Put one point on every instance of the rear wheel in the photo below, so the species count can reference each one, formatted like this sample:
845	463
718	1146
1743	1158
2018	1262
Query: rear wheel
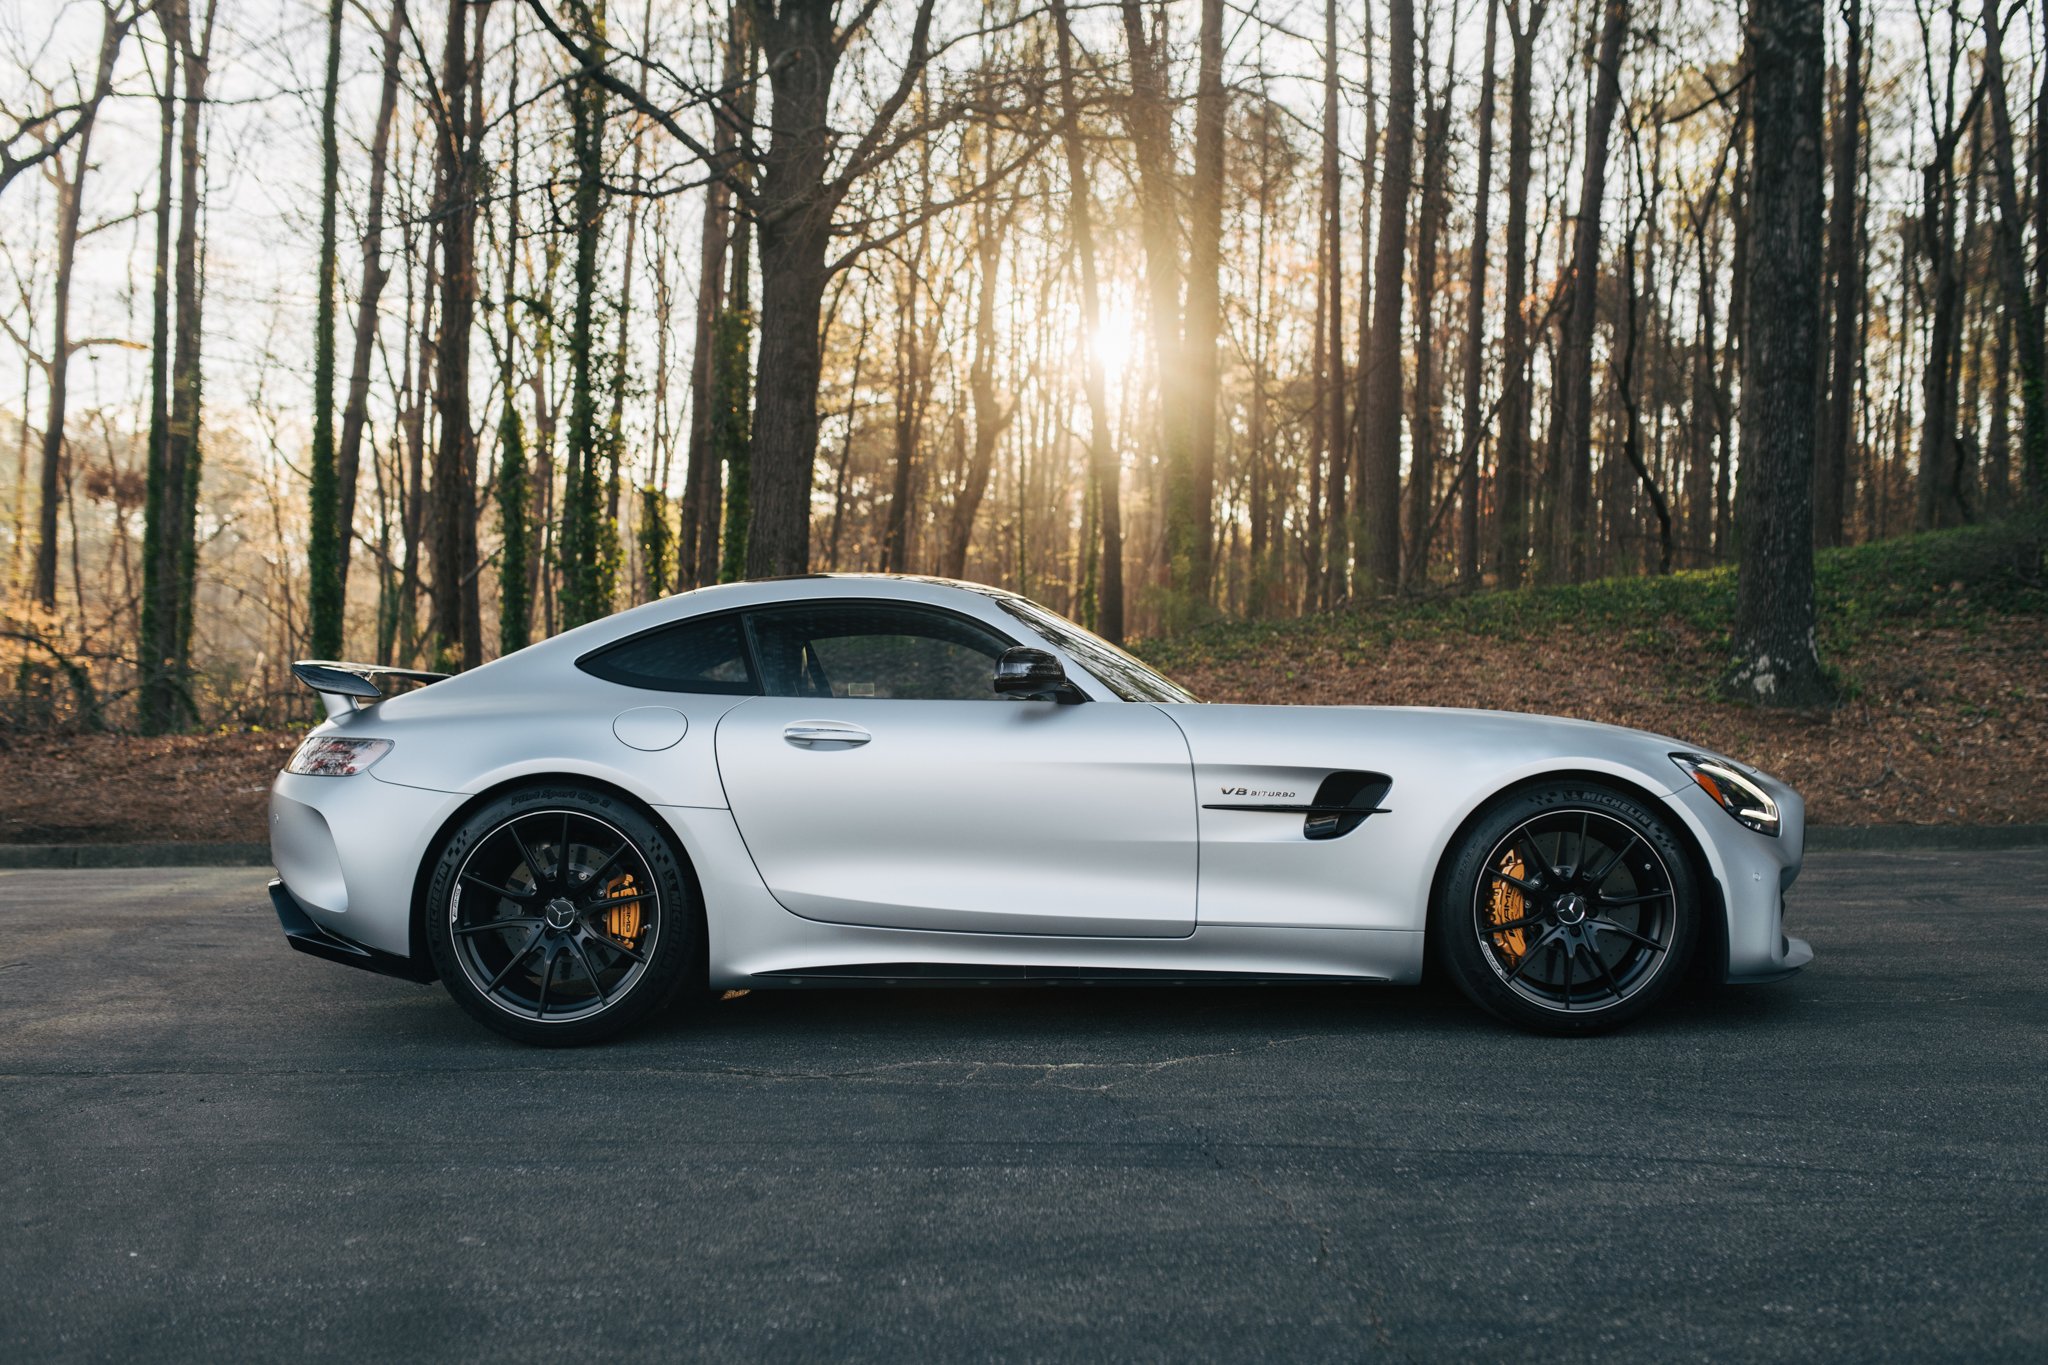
1568	908
560	915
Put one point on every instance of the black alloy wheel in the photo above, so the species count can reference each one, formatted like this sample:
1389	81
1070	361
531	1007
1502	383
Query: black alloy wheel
1569	909
560	916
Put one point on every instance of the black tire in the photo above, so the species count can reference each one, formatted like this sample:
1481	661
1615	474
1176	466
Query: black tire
1567	908
559	915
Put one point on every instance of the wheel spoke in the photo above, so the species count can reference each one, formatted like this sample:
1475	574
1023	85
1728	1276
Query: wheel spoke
496	890
1643	899
1611	927
590	971
612	944
547	974
1525	922
1570	951
1579	849
525	853
562	854
612	903
1596	878
1613	986
515	922
1534	855
603	867
1525	887
525	951
1530	956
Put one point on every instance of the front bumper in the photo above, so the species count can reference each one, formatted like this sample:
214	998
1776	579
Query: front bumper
1754	871
303	934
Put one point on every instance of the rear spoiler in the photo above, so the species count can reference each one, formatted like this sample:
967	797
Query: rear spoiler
344	687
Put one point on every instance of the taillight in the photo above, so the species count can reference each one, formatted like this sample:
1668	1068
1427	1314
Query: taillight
333	756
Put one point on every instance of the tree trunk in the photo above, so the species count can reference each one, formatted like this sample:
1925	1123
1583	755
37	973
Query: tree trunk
70	202
455	626
1104	471
991	417
701	491
1831	454
1205	299
156	703
1774	611
795	227
1332	410
1149	116
586	589
1378	514
2022	303
1422	426
323	549
1470	420
1511	532
355	410
1571	427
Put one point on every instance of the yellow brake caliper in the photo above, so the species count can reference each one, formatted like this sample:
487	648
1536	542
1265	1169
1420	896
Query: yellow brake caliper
623	922
1508	906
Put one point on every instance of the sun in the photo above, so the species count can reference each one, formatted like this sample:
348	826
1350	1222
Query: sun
1115	340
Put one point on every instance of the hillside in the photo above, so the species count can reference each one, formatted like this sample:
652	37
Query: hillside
1941	643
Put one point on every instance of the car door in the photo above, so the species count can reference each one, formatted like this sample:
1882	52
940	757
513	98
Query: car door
881	781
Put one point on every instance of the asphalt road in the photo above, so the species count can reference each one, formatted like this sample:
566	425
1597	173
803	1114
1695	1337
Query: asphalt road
217	1149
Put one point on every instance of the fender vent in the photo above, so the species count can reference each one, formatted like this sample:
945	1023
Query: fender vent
1343	802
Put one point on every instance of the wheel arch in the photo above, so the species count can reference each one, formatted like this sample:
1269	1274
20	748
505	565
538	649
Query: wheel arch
416	926
1710	957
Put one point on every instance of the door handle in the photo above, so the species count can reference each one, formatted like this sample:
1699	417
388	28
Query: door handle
805	733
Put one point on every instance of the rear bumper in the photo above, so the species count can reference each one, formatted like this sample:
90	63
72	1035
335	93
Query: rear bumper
303	934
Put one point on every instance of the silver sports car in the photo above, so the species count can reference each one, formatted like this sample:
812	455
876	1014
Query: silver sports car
846	781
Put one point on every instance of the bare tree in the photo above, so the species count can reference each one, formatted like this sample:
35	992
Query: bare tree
1774	612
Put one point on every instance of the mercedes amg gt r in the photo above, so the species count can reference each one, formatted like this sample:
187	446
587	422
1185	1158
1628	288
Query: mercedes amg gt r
861	780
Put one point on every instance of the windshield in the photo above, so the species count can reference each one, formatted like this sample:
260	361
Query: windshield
1121	673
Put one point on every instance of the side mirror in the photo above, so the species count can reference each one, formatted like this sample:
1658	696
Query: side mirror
1033	672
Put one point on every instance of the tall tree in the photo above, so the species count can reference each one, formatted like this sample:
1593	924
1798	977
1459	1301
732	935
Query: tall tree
356	406
1205	295
1571	425
1329	368
1774	612
1831	453
1511	533
156	700
1471	422
1422	425
2022	302
170	571
1104	472
323	541
456	621
1149	118
1378	517
586	586
703	499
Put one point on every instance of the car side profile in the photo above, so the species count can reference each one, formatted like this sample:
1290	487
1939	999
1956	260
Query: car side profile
875	780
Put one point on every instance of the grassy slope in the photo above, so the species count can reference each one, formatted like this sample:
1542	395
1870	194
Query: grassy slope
1940	642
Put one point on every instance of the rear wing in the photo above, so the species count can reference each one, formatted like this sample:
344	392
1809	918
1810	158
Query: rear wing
343	687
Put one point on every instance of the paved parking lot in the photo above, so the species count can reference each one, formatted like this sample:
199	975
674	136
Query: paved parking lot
218	1149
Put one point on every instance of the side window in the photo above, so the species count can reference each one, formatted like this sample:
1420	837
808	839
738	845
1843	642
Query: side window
859	649
706	655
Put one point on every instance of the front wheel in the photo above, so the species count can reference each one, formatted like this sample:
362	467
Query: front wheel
1568	908
559	915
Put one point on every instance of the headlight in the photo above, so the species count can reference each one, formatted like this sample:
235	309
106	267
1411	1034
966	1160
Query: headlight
332	756
1733	790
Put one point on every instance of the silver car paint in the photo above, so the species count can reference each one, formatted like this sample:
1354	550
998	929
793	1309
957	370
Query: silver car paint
1085	855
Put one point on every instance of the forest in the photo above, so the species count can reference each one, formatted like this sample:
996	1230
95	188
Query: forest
412	331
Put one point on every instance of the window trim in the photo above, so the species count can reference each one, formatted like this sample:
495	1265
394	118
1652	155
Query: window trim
761	675
753	686
758	677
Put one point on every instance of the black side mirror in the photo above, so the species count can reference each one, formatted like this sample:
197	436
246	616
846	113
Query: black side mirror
1024	671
